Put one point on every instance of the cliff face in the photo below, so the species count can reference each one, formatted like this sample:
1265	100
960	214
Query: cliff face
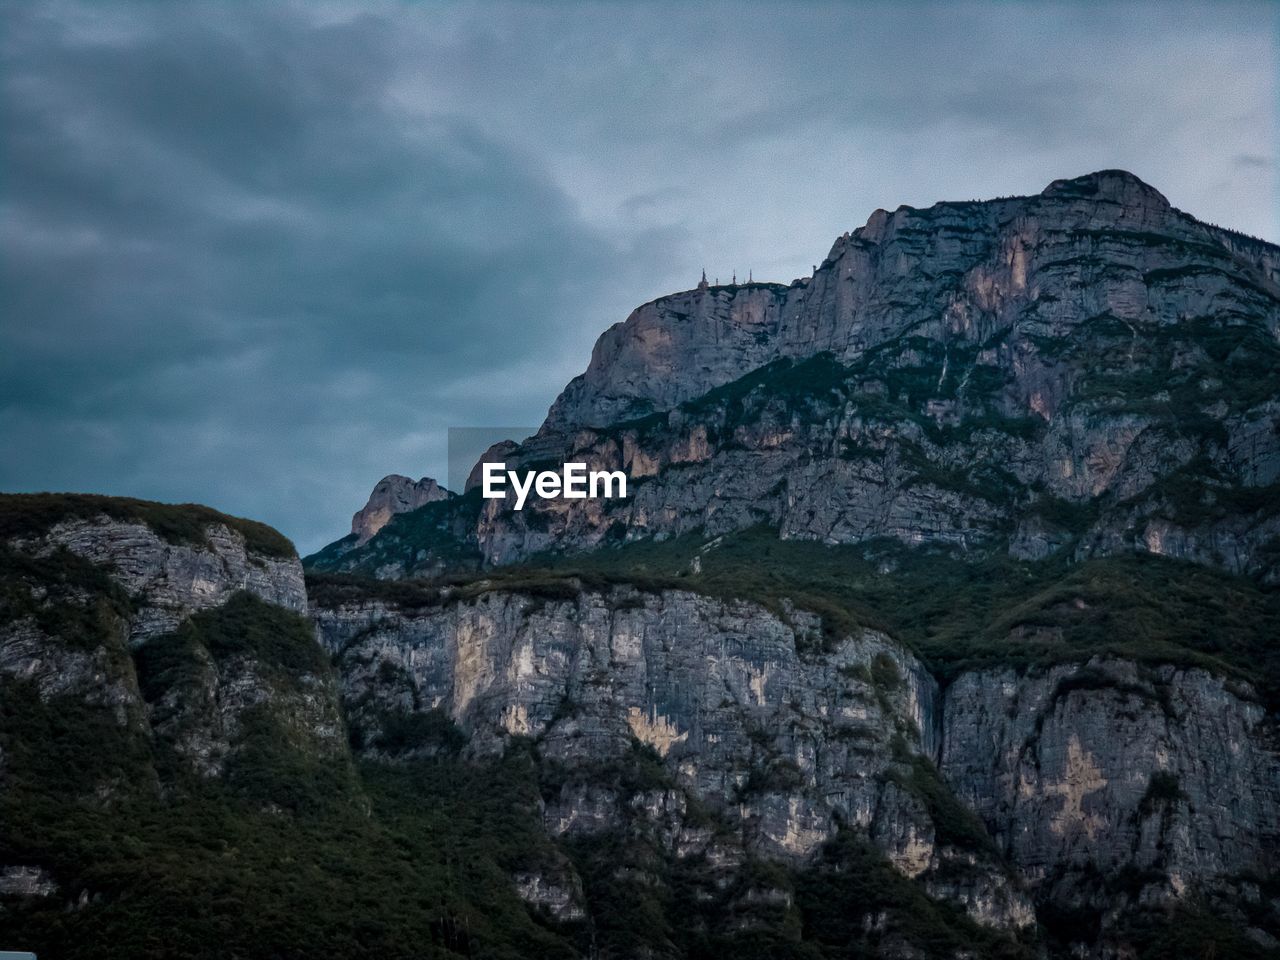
1086	371
171	581
1104	245
86	588
617	764
1114	787
939	622
1105	791
1005	404
147	654
777	735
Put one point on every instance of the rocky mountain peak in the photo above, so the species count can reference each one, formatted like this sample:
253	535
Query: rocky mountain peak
1104	244
1082	372
1119	186
394	494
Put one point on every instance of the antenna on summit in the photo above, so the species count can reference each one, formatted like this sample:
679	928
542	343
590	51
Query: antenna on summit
702	284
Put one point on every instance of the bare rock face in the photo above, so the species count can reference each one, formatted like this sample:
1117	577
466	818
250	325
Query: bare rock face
107	618
1084	372
393	494
1092	772
175	580
671	350
1106	244
786	746
1080	374
1104	790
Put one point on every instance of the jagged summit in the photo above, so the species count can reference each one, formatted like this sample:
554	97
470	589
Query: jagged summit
1082	372
956	269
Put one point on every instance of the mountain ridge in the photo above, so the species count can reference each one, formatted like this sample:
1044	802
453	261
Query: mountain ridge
1122	197
1085	370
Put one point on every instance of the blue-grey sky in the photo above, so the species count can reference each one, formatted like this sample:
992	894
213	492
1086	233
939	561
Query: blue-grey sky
260	255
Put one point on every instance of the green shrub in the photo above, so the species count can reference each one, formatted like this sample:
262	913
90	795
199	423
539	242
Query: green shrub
1163	791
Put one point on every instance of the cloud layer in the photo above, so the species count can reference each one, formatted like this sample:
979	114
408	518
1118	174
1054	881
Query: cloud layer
260	255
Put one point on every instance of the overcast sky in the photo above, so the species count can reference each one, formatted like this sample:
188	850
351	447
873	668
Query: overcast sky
260	255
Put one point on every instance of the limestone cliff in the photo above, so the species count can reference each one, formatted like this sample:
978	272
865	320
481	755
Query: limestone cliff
1108	792
1087	371
143	648
940	622
1022	455
1102	245
784	735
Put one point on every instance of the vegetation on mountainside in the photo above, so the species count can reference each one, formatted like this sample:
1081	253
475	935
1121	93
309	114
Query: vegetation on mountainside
296	853
927	405
955	612
639	895
438	529
65	595
288	854
290	857
25	515
279	641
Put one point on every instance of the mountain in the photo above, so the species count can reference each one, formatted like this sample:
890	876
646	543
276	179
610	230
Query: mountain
940	621
1087	372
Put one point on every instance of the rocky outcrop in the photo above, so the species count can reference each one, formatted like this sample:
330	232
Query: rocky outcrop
1055	379
785	745
149	631
1114	788
1087	371
1106	790
204	696
393	494
170	580
1106	244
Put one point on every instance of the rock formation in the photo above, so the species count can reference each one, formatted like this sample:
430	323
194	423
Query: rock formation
1087	371
393	494
1107	788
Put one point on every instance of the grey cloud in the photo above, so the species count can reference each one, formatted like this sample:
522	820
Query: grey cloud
1253	161
261	255
225	247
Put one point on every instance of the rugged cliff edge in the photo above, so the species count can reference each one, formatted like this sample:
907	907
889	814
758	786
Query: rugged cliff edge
1087	371
989	413
1105	245
393	494
175	773
1123	779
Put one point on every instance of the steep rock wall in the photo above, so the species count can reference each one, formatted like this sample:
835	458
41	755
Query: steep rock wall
787	746
1113	786
169	580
